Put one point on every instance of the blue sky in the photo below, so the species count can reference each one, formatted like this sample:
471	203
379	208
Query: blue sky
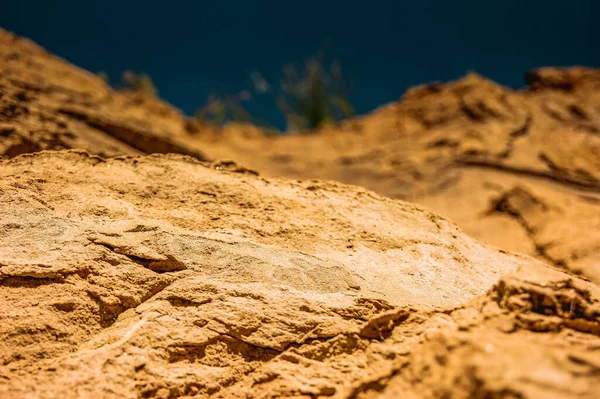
194	48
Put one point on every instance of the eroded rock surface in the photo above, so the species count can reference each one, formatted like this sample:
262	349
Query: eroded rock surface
49	104
165	277
517	169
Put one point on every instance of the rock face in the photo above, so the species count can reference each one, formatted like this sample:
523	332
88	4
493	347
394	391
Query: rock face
164	277
520	170
517	169
125	275
48	104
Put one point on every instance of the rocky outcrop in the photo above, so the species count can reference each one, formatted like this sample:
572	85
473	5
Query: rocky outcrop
517	169
48	104
164	277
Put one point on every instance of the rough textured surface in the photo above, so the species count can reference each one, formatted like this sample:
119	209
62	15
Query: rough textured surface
520	170
48	104
165	277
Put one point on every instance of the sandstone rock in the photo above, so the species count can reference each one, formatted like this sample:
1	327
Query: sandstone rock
517	169
163	277
48	104
520	170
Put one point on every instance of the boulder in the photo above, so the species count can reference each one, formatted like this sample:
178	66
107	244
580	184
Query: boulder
163	276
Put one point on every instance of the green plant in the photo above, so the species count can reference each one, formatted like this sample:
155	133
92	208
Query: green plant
220	110
138	82
309	98
314	96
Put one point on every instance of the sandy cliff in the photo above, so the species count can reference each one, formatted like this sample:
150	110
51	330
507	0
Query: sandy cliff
138	261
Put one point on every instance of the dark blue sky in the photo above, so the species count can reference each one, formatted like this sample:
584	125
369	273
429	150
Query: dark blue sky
192	48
